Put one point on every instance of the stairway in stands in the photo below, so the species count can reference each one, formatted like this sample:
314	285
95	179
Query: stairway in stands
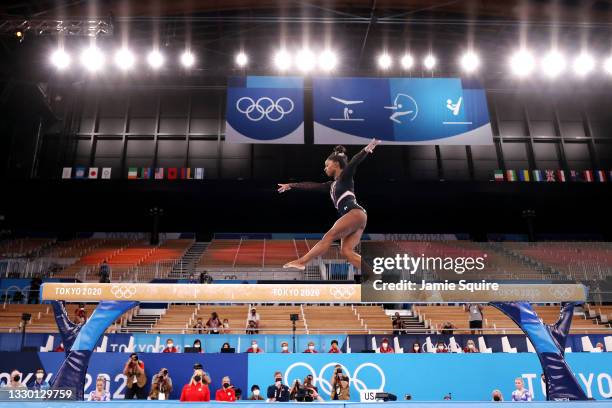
141	323
189	261
411	324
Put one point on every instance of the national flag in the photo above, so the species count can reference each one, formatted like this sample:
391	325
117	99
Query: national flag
145	173
601	176
576	175
79	172
561	176
537	175
133	173
172	173
190	173
550	175
199	173
93	172
498	174
524	175
588	176
183	173
106	173
159	173
67	172
511	175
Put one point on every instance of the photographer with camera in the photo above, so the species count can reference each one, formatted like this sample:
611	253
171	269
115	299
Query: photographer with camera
340	385
136	378
161	386
226	393
278	392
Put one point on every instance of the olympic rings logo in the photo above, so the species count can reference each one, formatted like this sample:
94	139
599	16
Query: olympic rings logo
342	291
264	107
324	384
123	292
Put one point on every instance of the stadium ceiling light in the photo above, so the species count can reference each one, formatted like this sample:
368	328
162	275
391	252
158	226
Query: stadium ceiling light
553	64
608	65
407	61
470	62
60	59
124	59
241	59
328	60
92	59
429	62
155	59
384	61
187	59
282	60
305	60
583	64
522	63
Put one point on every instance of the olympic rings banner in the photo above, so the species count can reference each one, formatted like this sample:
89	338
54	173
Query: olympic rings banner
263	109
449	111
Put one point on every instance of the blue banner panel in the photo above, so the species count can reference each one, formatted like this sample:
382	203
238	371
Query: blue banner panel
264	109
400	111
430	377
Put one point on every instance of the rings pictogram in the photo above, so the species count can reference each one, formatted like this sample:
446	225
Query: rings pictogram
342	291
264	107
122	291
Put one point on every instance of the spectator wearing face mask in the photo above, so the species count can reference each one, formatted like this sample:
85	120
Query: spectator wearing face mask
520	394
170	348
497	396
214	323
253	321
278	392
39	382
254	348
226	327
255	394
334	347
226	393
416	348
14	382
199	326
197	346
225	346
441	348
311	348
470	347
100	393
196	390
385	347
285	347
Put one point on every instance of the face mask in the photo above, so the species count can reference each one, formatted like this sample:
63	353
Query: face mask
471	346
225	324
416	347
198	346
440	347
39	376
254	346
16	378
197	378
496	398
170	345
385	345
310	347
255	392
278	380
226	385
285	348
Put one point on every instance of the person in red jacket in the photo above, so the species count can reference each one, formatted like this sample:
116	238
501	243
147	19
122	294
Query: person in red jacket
334	347
311	348
285	347
254	348
170	347
226	393
196	390
385	347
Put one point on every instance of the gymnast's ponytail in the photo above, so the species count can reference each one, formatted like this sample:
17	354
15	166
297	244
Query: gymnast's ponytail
339	156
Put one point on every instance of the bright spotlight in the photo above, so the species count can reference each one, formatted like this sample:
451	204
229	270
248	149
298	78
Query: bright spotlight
187	59
124	59
384	61
327	60
305	60
553	64
155	59
241	59
608	65
92	59
282	60
583	64
407	61
470	62
60	59
522	63
429	61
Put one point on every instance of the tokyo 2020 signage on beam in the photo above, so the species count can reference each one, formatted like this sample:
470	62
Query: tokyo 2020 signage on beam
450	111
263	109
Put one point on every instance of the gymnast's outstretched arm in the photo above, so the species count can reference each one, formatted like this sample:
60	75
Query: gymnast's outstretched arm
351	167
305	185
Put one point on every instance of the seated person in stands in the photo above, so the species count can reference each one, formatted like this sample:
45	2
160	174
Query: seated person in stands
100	393
226	393
599	347
196	390
80	315
225	346
255	394
470	347
285	347
214	323
416	348
39	382
251	327
161	386
238	393
334	347
226	326
311	348
397	323
253	320
278	392
60	348
197	345
254	348
448	328
14	382
170	348
385	347
441	348
521	393
199	326
497	396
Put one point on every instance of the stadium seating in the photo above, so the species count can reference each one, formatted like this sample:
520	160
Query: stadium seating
23	247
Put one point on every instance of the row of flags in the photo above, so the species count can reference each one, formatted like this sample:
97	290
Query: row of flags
136	173
562	176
